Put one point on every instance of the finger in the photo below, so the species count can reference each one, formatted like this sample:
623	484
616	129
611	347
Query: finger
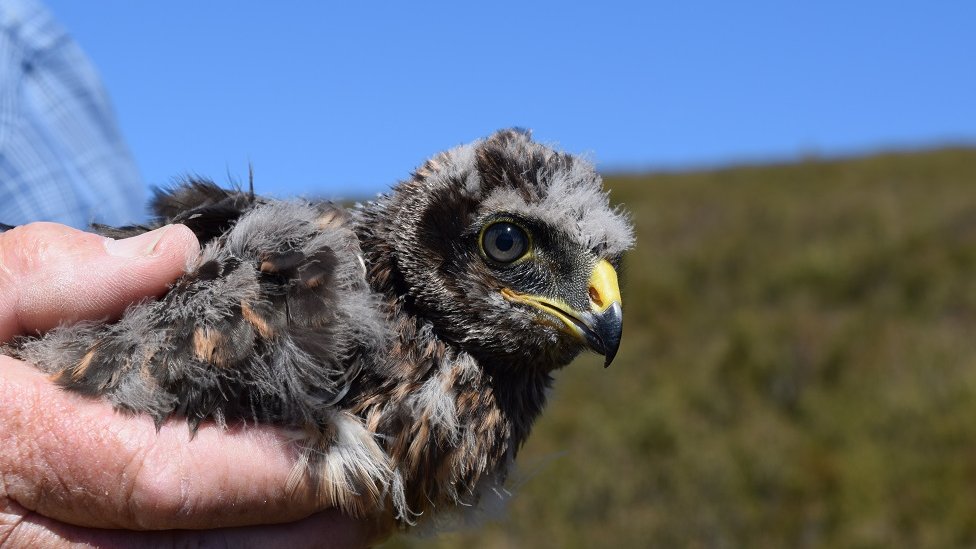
78	461
51	273
326	530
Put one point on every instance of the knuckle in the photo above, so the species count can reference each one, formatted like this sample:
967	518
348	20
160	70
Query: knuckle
28	249
158	493
23	469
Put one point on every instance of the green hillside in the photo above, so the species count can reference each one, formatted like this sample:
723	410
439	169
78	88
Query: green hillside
798	369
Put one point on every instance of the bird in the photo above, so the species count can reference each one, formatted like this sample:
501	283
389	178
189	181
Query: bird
409	341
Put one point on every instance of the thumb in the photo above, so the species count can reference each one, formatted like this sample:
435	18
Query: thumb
51	273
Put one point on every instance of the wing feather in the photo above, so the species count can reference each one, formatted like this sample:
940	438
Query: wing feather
267	326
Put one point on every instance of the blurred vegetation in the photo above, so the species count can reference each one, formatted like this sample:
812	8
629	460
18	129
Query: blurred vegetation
798	369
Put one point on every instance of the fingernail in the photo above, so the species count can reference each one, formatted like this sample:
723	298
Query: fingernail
136	246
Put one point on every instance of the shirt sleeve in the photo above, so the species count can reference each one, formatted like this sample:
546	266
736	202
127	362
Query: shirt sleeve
62	156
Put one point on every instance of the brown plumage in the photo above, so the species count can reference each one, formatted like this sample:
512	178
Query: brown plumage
410	341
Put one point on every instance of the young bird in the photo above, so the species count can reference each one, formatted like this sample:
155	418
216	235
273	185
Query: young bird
409	342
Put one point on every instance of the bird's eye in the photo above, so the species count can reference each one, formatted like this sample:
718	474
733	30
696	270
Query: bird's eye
504	242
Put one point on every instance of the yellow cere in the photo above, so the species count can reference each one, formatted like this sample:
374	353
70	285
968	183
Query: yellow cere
604	289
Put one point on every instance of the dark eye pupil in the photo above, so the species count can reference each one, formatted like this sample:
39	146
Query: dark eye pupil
505	241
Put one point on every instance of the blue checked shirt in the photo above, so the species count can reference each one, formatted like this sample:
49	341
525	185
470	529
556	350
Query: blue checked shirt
62	157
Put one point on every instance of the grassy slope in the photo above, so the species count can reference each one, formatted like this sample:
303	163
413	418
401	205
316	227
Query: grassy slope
798	369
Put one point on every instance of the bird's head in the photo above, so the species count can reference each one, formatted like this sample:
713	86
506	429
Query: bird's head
509	248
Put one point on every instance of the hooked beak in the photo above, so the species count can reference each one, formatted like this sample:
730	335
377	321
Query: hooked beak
601	326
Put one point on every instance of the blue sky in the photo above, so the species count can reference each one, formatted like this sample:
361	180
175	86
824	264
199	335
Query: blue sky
345	100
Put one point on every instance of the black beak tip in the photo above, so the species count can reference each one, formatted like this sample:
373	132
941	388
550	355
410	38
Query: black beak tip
607	331
611	352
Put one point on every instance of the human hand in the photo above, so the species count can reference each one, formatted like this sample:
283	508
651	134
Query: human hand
73	472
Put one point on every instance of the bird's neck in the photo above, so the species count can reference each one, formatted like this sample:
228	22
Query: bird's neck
451	421
451	426
517	389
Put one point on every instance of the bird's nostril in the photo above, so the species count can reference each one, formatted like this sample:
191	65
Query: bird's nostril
595	297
